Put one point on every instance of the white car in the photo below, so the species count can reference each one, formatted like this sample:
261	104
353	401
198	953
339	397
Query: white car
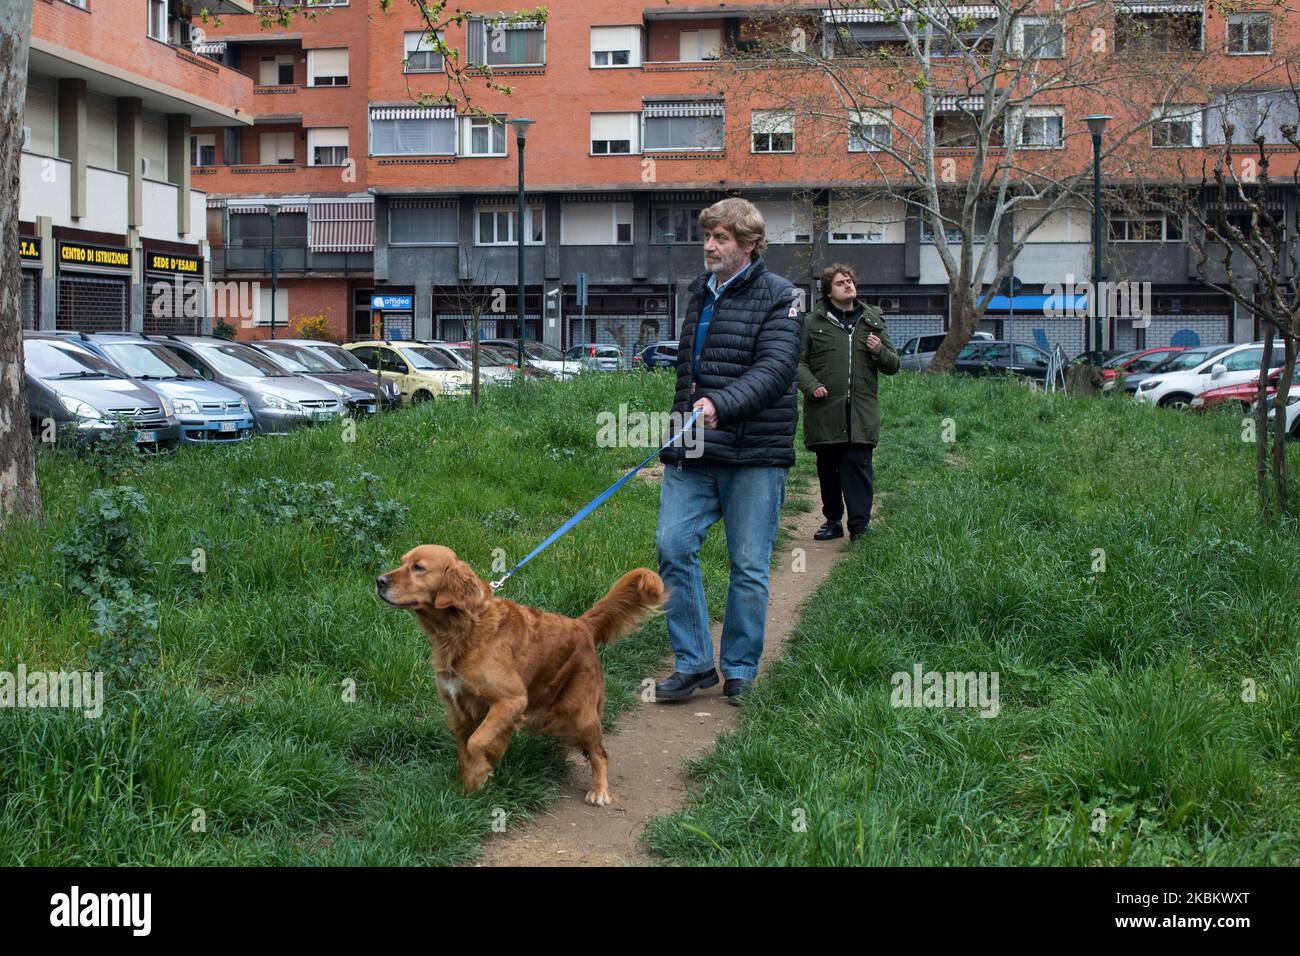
1292	412
1198	369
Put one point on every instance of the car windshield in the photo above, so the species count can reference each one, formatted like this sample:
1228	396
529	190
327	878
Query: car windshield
340	356
1147	362
1185	360
428	359
301	360
547	353
969	352
147	361
241	361
47	358
1119	360
495	356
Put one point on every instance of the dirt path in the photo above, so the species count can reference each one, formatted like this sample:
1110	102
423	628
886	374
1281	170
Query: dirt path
648	750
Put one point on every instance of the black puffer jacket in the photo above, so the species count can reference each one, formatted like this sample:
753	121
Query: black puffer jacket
747	369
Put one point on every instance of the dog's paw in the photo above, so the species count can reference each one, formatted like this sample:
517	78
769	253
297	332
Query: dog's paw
473	779
599	798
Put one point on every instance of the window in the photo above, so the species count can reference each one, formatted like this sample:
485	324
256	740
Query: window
614	134
276	149
684	126
327	67
327	147
1036	37
1145	227
787	220
423	223
870	130
961	131
682	221
949	40
695	46
615	46
483	137
1247	360
1042	128
595	223
1176	125
772	131
865	39
275	70
1163	32
413	131
1251	113
232	146
203	149
421	55
495	226
157	19
1250	33
857	219
496	43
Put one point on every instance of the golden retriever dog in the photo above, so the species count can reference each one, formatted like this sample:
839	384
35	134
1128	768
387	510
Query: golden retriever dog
502	665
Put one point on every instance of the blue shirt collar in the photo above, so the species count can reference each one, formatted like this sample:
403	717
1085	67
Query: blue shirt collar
713	280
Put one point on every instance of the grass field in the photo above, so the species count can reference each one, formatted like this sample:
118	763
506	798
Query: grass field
244	717
1122	736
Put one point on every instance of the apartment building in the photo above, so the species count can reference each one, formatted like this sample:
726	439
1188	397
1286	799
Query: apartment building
398	212
113	237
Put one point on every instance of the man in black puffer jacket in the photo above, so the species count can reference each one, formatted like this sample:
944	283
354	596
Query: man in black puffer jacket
737	362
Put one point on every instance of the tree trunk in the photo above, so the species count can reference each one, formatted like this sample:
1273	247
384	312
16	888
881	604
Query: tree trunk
1261	425
1281	492
964	320
19	495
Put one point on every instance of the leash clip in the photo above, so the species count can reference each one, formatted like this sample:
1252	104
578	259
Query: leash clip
497	584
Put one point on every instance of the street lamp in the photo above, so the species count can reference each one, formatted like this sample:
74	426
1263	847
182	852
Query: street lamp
521	133
668	237
1096	126
273	210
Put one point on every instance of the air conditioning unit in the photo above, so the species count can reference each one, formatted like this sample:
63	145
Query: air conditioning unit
655	305
27	137
890	305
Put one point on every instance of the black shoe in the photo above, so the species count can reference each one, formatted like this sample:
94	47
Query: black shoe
735	689
679	686
854	535
831	529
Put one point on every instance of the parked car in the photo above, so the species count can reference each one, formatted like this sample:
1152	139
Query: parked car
1217	366
1102	357
918	351
207	412
596	356
1135	362
496	357
281	401
1174	362
365	394
660	354
1244	394
1291	410
492	367
420	373
84	394
1002	358
539	355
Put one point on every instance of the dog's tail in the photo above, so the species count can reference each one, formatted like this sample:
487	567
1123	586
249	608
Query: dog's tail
637	595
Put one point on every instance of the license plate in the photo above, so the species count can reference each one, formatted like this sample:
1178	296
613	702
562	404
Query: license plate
146	438
321	416
227	426
369	409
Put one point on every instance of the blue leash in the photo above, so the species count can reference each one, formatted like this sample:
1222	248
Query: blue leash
595	503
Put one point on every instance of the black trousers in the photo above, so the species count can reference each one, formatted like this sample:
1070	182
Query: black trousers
844	472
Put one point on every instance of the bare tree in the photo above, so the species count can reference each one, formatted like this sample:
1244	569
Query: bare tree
19	494
959	118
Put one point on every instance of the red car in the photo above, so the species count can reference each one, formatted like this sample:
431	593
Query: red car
1143	360
1243	393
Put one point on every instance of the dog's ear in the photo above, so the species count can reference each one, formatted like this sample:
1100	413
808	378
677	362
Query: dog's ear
461	588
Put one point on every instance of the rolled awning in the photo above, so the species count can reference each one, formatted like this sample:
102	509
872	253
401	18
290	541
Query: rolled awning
659	110
285	207
341	226
413	112
952	103
1158	7
1040	304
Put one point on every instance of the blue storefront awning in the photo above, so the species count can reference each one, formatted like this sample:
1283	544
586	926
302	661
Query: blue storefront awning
1039	304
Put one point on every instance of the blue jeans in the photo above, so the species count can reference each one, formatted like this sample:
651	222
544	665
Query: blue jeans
748	500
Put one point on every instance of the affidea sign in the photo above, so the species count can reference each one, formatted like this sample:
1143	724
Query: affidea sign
392	303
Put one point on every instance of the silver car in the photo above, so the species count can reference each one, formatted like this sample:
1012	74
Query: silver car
280	400
919	350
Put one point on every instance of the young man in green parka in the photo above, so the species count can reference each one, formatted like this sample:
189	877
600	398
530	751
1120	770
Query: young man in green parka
845	348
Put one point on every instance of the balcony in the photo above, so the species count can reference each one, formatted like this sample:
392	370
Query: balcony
702	38
254	179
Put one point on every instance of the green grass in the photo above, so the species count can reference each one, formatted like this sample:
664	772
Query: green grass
239	748
1122	737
